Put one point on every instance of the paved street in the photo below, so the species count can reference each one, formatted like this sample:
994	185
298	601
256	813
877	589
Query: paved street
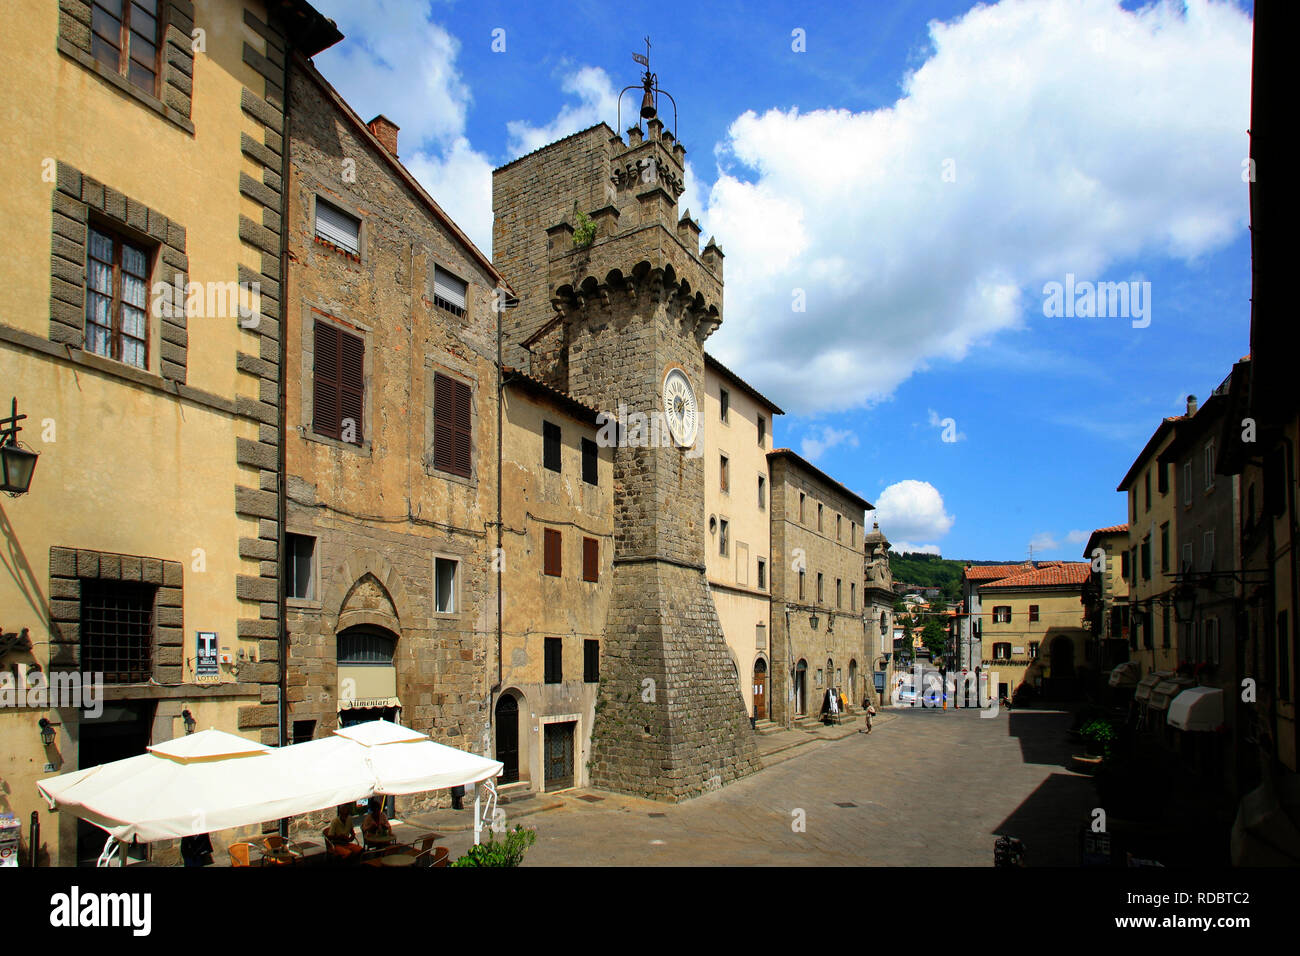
926	788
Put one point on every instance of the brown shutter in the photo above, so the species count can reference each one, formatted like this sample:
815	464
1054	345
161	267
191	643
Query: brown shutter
590	559
325	381
351	385
452	444
551	552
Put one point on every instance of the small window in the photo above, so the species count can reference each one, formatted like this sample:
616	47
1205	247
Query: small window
117	630
1033	613
338	228
723	526
820	589
1209	466
1033	650
1166	626
338	383
551	552
300	557
1188	558
839	593
362	645
839	526
1187	483
1002	651
801	509
1146	558
1123	565
1164	547
551	446
762	575
444	576
853	534
1002	614
1207	553
1162	478
762	429
724	404
117	298
303	731
554	662
819	517
450	293
853	596
452	426
762	492
802	575
590	462
590	661
1146	483
590	559
724	476
125	39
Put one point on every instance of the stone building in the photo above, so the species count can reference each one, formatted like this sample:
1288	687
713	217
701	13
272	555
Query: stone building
557	562
819	633
737	437
878	613
1106	597
142	343
616	302
391	438
1033	632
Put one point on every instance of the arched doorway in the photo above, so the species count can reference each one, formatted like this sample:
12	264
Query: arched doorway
853	680
507	727
830	673
801	688
367	677
760	689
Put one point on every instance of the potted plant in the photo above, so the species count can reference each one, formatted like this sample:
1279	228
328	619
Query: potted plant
508	851
1099	737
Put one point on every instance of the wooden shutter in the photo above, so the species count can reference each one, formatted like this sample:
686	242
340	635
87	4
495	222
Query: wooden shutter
352	352
551	552
452	417
590	559
325	381
590	459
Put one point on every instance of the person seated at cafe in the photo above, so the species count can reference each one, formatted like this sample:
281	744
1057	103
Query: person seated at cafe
339	835
375	826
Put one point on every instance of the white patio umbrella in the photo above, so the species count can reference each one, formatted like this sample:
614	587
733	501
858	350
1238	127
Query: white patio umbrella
202	783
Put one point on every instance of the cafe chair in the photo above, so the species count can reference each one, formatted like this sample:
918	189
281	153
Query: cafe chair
239	854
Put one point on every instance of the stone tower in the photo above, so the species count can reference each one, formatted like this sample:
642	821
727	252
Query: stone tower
607	317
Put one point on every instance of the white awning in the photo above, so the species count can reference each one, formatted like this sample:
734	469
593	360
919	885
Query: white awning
1126	674
1197	708
1146	685
1165	691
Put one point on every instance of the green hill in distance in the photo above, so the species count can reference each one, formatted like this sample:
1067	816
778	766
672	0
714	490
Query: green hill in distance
932	571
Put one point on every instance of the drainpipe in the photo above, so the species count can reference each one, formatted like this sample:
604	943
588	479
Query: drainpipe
281	504
499	303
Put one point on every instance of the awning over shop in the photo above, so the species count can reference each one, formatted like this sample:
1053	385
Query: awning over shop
1147	684
1165	691
1126	674
1197	708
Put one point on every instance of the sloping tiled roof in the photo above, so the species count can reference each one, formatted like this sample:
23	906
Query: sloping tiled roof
995	572
1065	574
578	409
808	466
744	386
1103	533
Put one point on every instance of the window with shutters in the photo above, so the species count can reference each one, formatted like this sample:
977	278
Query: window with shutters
452	418
724	404
1002	614
1033	612
551	553
590	559
450	293
554	661
1002	651
337	228
550	446
590	462
1164	547
590	661
338	384
724	473
117	297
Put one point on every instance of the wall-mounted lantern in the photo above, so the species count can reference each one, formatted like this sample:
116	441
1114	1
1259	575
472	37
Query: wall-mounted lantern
48	731
190	722
16	461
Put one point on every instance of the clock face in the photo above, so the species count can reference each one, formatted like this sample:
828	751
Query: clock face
680	408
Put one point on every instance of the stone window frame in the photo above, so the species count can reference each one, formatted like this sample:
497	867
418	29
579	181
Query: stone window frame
70	566
311	313
458	585
452	368
435	264
78	201
174	99
316	603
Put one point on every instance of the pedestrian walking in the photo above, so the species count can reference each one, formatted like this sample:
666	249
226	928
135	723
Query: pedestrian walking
871	713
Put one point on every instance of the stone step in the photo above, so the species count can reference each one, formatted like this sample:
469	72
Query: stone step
766	727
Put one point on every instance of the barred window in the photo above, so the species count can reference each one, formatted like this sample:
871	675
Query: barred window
117	630
365	646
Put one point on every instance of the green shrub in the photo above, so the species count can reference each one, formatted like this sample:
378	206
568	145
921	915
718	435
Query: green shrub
508	851
1101	737
584	233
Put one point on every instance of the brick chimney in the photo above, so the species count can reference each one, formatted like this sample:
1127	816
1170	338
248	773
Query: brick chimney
385	131
1191	405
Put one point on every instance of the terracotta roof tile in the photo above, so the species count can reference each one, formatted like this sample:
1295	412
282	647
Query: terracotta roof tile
995	572
1065	574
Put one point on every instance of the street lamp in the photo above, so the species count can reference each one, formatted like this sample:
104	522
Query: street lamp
16	462
48	733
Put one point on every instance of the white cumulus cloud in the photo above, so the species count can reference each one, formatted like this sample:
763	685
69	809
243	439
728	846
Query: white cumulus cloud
1075	135
813	445
912	510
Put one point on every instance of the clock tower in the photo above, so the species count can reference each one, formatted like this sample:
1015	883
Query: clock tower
617	302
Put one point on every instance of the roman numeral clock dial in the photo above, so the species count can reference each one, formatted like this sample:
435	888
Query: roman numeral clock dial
681	410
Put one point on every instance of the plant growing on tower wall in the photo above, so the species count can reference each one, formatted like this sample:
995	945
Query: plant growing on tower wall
584	232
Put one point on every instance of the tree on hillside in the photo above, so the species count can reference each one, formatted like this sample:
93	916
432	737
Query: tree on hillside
934	638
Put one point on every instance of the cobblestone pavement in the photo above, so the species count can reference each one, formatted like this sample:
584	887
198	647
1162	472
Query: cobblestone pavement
926	788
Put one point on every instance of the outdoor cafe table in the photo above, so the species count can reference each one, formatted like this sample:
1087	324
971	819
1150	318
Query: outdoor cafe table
397	859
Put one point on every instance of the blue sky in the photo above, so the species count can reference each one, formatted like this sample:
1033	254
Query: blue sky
914	175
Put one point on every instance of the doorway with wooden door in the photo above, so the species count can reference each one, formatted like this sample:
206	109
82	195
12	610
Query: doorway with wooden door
558	755
760	689
507	728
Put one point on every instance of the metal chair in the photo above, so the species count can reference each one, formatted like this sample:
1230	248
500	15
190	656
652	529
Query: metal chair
239	854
